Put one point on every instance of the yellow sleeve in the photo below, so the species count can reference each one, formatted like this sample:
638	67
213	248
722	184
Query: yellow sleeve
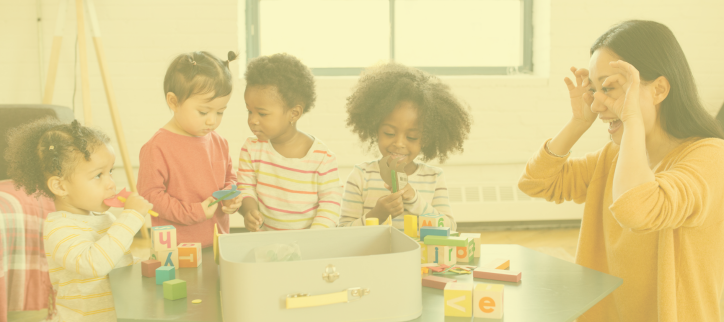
558	179
680	196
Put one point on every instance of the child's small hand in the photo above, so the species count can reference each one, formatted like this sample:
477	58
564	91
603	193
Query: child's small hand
390	205
230	206
408	193
253	220
209	211
137	203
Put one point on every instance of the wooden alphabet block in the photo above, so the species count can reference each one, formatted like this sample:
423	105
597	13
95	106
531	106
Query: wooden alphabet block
189	255
497	274
437	231
476	238
148	267
446	240
465	253
441	255
459	299
423	252
165	273
411	226
488	301
167	257
163	238
174	289
436	281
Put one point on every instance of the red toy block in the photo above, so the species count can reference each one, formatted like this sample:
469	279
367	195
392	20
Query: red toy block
436	282
148	267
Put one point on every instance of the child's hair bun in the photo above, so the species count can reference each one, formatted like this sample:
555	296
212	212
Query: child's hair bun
232	56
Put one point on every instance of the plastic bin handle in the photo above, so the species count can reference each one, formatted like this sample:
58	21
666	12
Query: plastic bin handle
295	301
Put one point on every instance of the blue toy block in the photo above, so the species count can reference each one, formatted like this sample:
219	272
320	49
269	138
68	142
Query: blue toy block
436	231
165	273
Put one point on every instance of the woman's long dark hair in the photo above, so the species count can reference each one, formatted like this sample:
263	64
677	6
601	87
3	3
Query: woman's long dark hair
652	48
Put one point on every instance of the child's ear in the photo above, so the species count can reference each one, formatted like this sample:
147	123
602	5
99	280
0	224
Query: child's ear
172	101
57	186
296	112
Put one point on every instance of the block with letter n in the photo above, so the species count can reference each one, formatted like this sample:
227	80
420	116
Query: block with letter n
163	238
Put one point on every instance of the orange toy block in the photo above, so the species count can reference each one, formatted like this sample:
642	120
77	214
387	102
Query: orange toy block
189	255
498	263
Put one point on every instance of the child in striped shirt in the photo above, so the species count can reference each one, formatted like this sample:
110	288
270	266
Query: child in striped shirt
72	164
405	112
289	178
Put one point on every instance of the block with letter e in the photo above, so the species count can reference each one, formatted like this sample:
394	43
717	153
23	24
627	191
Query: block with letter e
163	238
189	254
488	301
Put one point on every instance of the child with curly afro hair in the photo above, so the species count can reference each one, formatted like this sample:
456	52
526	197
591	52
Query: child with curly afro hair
72	164
406	113
289	178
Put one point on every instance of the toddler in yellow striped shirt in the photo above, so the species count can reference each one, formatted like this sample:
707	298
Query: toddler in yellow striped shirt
83	242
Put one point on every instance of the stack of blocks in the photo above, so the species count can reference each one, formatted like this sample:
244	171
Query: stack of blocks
437	246
480	301
163	245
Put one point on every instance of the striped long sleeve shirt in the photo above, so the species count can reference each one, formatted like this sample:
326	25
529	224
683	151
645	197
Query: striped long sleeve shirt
365	186
291	193
81	251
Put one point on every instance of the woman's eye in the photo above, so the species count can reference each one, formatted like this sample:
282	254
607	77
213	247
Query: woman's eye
592	90
99	175
412	139
606	89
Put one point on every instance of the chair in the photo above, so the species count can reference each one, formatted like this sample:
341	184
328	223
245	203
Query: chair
24	279
720	116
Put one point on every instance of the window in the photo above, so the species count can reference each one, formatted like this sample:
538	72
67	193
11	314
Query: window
443	37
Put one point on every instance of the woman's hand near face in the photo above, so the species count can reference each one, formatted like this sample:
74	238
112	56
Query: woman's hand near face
581	97
626	106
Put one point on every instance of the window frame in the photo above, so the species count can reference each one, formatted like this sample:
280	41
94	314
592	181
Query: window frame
253	48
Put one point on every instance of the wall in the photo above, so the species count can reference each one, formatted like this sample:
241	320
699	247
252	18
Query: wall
513	114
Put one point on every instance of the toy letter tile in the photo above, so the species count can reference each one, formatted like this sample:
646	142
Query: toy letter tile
497	274
459	299
166	257
498	263
163	238
165	273
449	258
436	281
189	255
488	301
411	226
174	289
148	267
437	231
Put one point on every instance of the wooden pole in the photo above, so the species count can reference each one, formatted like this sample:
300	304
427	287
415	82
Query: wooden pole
55	53
111	96
83	54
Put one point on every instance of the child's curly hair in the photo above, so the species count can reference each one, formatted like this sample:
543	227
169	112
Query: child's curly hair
445	121
292	79
47	147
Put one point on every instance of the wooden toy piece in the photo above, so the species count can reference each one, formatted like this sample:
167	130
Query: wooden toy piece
497	274
423	252
167	257
441	255
216	244
393	173
449	257
465	253
163	238
437	231
174	289
225	194
488	301
119	201
459	299
411	225
148	267
372	222
425	270
165	273
498	263
196	301
454	233
436	282
189	255
446	241
476	238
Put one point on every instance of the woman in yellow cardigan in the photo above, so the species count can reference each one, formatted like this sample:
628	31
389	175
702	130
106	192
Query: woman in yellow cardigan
654	196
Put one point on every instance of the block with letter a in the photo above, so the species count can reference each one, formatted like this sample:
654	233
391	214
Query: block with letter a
163	238
488	301
189	254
